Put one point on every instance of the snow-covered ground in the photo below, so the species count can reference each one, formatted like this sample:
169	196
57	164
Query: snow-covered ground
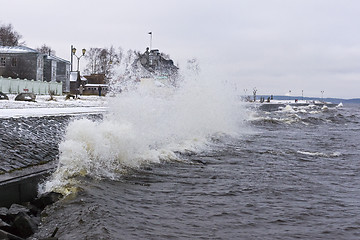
44	107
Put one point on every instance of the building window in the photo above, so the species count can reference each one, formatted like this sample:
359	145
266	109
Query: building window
13	62
2	62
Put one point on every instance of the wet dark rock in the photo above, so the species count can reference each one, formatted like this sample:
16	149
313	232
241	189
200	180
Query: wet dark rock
33	209
3	96
8	236
5	221
28	97
21	221
3	212
3	224
25	225
15	209
47	199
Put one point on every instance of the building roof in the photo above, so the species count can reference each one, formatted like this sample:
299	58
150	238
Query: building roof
74	77
51	57
23	49
17	49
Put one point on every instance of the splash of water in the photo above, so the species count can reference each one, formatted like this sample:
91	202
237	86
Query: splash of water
147	124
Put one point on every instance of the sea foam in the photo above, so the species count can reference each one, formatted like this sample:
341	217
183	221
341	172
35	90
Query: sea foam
147	125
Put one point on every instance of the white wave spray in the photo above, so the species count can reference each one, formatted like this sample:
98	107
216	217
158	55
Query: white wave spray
147	125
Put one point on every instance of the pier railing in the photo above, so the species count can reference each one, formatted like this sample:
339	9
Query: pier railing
16	86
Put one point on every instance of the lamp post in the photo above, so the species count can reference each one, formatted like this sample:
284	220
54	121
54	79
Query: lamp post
150	33
73	53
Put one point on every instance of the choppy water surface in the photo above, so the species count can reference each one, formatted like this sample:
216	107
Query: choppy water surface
293	175
195	164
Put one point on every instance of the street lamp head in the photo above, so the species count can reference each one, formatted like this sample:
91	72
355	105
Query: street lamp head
74	51
83	51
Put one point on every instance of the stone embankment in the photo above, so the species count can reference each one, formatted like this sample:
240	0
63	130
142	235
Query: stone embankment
21	221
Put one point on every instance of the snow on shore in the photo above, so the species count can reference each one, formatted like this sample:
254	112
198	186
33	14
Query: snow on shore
44	107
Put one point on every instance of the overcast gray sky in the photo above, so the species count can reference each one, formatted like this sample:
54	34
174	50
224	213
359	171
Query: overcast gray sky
276	46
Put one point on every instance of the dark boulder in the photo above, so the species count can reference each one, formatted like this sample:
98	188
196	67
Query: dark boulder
3	224
32	208
3	96
28	97
5	221
20	222
15	209
8	236
47	199
25	225
3	213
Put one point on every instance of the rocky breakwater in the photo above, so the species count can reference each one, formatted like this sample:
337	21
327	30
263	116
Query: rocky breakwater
21	221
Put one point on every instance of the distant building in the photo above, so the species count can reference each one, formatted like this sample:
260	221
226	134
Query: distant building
156	63
21	62
57	70
93	83
27	63
95	78
153	64
93	89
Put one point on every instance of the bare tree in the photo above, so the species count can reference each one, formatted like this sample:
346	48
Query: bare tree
46	50
9	37
103	60
92	60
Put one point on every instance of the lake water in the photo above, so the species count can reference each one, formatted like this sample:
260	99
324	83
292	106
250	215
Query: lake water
201	169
